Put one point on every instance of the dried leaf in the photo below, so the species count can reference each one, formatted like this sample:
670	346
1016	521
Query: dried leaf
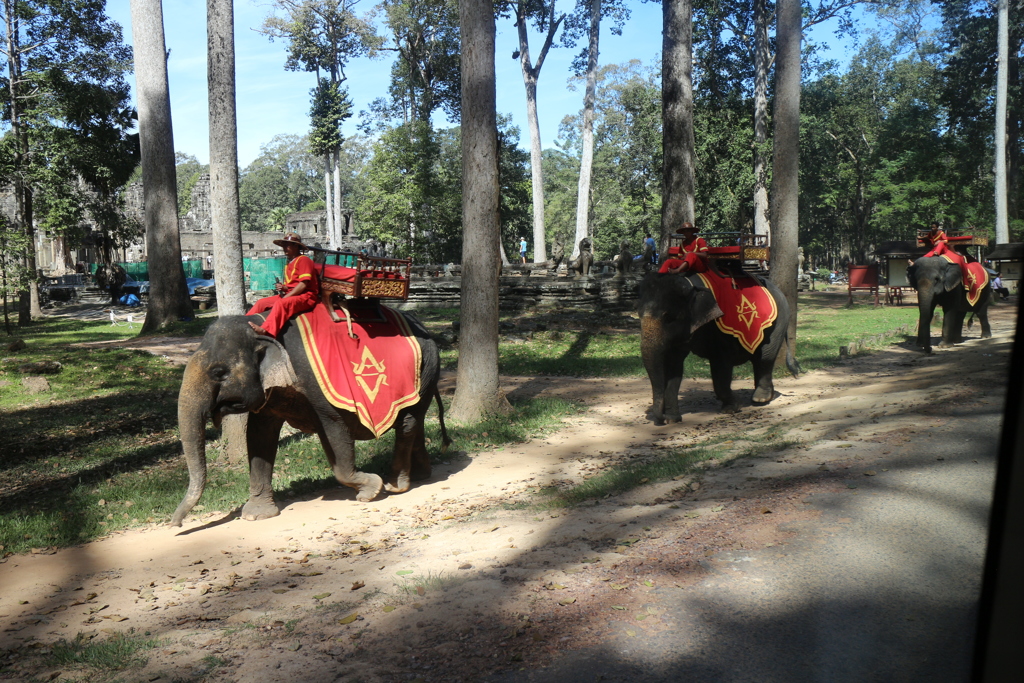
356	585
620	607
349	619
403	572
718	508
294	647
420	590
641	617
567	601
649	583
279	591
631	633
389	608
618	586
870	473
321	596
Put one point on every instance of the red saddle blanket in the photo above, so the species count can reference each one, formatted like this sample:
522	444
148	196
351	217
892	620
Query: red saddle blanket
748	308
977	277
373	376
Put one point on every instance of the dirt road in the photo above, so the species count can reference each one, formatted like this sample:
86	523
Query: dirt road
853	554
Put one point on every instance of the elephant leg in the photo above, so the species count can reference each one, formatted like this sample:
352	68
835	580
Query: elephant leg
339	447
952	324
674	365
721	379
926	310
408	430
986	329
764	387
261	435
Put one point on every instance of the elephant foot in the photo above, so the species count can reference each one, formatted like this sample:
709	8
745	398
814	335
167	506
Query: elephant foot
762	397
401	485
730	408
945	344
419	473
256	510
369	488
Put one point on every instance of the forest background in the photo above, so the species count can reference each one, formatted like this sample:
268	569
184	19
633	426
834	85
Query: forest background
900	135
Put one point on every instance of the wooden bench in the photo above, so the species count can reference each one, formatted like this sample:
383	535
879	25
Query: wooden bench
361	276
729	246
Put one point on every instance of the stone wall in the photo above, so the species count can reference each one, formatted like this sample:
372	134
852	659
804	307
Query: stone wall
593	293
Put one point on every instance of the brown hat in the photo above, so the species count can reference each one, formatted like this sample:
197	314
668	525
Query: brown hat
291	238
688	226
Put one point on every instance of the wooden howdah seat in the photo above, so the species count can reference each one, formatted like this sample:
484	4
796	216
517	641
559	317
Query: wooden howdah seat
955	238
361	276
728	246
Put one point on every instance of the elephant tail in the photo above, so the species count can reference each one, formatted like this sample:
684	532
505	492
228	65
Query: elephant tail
791	362
445	441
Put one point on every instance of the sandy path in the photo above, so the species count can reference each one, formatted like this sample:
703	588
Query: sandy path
450	584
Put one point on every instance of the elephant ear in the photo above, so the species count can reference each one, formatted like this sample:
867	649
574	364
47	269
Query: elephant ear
703	308
951	277
276	365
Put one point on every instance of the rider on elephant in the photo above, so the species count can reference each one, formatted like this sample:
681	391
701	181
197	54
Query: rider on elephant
939	243
694	252
299	293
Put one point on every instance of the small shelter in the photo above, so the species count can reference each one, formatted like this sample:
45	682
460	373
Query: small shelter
893	257
1008	259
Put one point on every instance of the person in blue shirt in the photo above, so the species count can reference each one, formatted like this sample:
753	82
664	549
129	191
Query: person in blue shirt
649	243
522	249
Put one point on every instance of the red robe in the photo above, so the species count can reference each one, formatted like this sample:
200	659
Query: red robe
282	309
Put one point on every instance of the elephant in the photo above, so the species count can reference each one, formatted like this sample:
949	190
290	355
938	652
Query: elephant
940	283
236	371
677	316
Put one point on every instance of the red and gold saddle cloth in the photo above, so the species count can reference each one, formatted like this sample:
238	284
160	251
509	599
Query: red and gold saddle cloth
974	274
748	307
373	376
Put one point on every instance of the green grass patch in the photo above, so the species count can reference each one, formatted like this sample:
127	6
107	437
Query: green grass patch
627	476
120	651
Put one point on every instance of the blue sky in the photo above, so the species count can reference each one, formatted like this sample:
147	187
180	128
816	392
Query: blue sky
271	100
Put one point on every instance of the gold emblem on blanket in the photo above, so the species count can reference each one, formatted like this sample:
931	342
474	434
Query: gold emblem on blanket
369	370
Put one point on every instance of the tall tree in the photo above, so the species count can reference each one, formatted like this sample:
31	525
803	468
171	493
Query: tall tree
545	19
677	114
323	36
786	157
168	294
478	391
1002	86
225	219
58	56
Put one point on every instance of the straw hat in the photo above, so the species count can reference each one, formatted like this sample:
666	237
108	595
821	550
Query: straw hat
688	226
291	238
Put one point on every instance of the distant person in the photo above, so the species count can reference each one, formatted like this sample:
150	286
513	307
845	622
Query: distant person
998	288
650	244
522	249
299	293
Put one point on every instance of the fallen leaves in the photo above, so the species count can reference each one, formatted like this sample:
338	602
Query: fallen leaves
356	585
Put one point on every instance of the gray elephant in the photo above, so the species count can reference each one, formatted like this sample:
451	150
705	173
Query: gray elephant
940	283
677	316
234	370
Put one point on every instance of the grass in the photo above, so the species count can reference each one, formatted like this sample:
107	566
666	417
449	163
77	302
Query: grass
100	452
675	463
120	651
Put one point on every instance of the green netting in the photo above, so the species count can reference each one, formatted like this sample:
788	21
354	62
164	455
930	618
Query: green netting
263	272
136	271
193	267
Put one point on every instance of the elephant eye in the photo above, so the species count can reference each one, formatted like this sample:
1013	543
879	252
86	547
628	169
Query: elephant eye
219	373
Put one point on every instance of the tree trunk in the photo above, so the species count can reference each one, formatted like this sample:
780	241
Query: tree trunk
225	222
328	194
478	391
762	64
786	157
338	220
587	160
1002	80
536	170
168	295
677	118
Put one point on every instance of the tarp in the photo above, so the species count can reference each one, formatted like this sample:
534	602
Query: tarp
262	272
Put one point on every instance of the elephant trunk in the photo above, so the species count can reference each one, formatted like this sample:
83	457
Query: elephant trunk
652	352
194	401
